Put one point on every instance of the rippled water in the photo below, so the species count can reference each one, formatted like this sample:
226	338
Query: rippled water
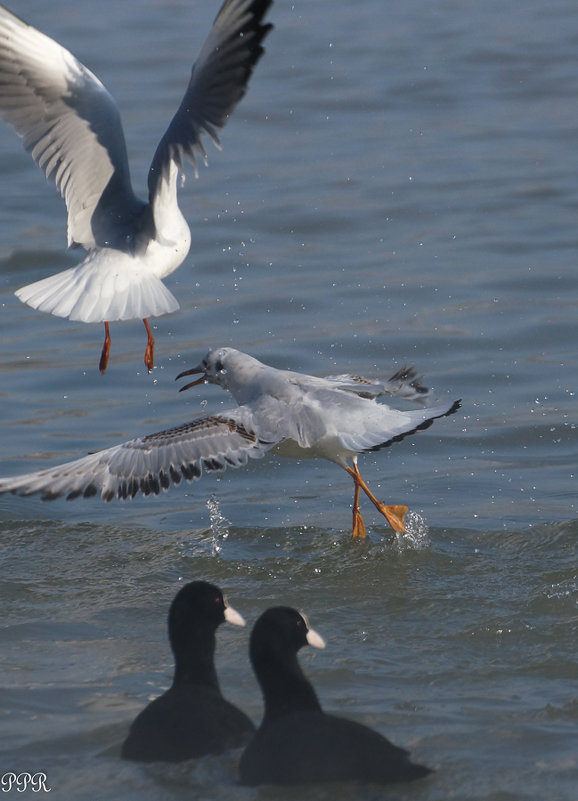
399	185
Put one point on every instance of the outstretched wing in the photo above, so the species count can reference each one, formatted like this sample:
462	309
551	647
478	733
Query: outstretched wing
152	463
218	82
70	124
404	384
382	426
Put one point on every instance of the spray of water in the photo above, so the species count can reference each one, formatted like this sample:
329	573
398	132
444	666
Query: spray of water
416	535
219	526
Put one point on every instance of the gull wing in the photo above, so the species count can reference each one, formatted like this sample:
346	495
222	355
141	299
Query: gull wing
406	383
381	426
152	463
218	82
69	123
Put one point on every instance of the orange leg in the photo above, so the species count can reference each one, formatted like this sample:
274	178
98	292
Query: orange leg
359	532
149	357
393	514
105	350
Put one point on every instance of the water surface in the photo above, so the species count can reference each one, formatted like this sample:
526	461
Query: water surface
398	186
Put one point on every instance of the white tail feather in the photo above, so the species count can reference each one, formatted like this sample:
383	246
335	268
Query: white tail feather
104	287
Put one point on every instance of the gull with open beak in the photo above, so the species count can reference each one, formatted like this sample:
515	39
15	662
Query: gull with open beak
292	414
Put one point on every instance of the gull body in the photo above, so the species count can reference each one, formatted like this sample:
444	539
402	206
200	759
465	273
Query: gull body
71	126
294	414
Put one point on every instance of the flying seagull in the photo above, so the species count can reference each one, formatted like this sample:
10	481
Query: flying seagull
292	414
71	126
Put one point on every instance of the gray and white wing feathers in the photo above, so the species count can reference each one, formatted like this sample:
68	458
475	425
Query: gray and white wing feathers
381	426
218	82
152	463
405	383
69	123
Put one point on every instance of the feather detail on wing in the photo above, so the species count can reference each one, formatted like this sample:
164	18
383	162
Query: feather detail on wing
382	426
406	383
218	82
152	463
70	124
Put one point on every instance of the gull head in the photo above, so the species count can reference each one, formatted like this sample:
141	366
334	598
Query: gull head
214	369
231	369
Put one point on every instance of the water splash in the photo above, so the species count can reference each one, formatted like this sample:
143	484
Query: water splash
416	534
219	525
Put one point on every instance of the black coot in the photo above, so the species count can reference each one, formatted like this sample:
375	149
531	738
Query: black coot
191	718
297	742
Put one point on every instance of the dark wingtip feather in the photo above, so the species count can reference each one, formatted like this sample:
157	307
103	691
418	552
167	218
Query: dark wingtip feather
420	427
456	405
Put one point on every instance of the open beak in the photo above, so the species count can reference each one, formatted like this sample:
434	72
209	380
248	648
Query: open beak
193	371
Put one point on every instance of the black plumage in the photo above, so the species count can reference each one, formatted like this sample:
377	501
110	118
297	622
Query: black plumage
297	742
192	718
